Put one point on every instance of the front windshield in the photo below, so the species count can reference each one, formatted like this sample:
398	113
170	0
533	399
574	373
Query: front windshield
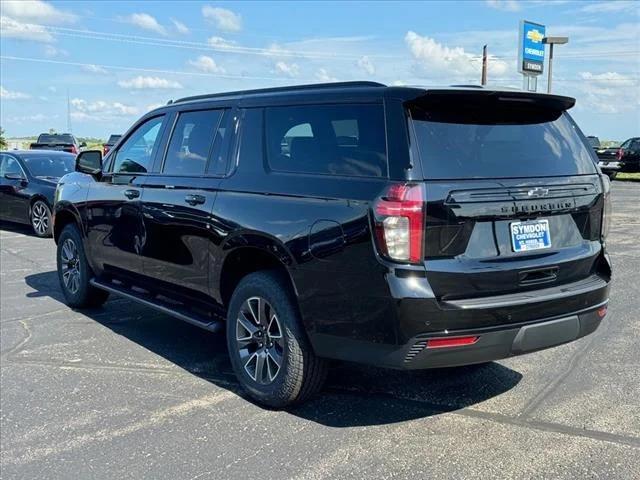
54	165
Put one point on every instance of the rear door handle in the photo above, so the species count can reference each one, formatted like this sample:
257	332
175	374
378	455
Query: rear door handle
131	194
195	199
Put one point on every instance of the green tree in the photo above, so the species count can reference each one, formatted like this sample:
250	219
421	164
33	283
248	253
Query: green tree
3	141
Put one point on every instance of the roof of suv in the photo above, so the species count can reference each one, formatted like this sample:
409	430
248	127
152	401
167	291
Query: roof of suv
368	88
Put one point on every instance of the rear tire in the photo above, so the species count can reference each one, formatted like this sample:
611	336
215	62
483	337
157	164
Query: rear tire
74	273
40	218
268	347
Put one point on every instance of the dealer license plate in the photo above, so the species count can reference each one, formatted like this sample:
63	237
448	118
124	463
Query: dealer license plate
531	235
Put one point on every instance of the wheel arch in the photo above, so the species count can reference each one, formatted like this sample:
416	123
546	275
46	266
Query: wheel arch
39	196
249	254
65	213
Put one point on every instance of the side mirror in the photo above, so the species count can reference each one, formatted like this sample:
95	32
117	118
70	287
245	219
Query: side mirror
83	144
90	162
14	176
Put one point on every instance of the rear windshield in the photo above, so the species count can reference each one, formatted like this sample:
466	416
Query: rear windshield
507	142
53	165
55	138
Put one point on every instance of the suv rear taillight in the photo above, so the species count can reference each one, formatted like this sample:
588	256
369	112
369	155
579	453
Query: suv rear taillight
606	208
620	154
399	223
74	150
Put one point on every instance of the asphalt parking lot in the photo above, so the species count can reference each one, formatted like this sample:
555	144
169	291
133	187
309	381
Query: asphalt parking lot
124	392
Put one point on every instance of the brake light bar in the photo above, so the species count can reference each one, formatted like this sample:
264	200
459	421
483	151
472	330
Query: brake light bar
446	342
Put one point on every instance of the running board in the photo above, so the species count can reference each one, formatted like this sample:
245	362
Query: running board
150	301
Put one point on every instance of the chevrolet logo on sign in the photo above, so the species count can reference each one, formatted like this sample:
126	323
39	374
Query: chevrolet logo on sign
535	36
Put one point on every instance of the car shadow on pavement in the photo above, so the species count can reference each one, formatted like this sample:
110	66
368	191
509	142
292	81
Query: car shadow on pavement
354	395
17	228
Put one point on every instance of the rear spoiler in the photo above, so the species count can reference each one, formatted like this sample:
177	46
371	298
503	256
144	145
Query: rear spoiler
466	96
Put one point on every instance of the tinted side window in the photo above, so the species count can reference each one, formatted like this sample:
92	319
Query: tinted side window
137	152
191	142
327	139
9	165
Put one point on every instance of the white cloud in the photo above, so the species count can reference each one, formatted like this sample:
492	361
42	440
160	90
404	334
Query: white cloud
608	78
36	11
366	65
435	58
611	7
146	22
286	69
99	109
180	27
11	28
52	88
206	64
507	5
221	43
38	117
140	82
609	92
51	51
12	94
153	106
94	69
323	76
223	19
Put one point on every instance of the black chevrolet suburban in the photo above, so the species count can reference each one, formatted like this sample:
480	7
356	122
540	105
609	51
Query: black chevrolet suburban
399	227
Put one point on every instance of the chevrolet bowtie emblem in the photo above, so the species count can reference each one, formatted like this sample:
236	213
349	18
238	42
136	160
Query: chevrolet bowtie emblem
535	36
538	192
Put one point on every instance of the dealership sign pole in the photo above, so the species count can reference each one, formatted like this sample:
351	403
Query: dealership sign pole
530	53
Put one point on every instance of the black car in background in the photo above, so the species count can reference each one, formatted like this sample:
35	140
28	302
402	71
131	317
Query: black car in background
113	139
629	155
27	186
608	160
64	142
400	227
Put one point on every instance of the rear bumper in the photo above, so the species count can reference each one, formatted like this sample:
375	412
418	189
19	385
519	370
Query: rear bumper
610	166
494	344
506	325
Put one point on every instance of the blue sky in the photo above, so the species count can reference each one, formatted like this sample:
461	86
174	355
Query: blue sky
117	60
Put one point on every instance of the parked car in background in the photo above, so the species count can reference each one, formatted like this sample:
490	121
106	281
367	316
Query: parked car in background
27	186
608	159
353	221
113	139
629	155
65	142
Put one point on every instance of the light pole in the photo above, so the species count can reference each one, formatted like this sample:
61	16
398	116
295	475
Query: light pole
551	41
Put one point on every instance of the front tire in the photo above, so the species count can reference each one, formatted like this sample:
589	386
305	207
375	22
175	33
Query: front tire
269	350
74	273
40	217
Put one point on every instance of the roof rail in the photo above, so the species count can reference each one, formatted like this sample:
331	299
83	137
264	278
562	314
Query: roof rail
294	88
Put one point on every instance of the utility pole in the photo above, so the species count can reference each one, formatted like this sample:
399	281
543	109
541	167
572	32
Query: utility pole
551	41
483	80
